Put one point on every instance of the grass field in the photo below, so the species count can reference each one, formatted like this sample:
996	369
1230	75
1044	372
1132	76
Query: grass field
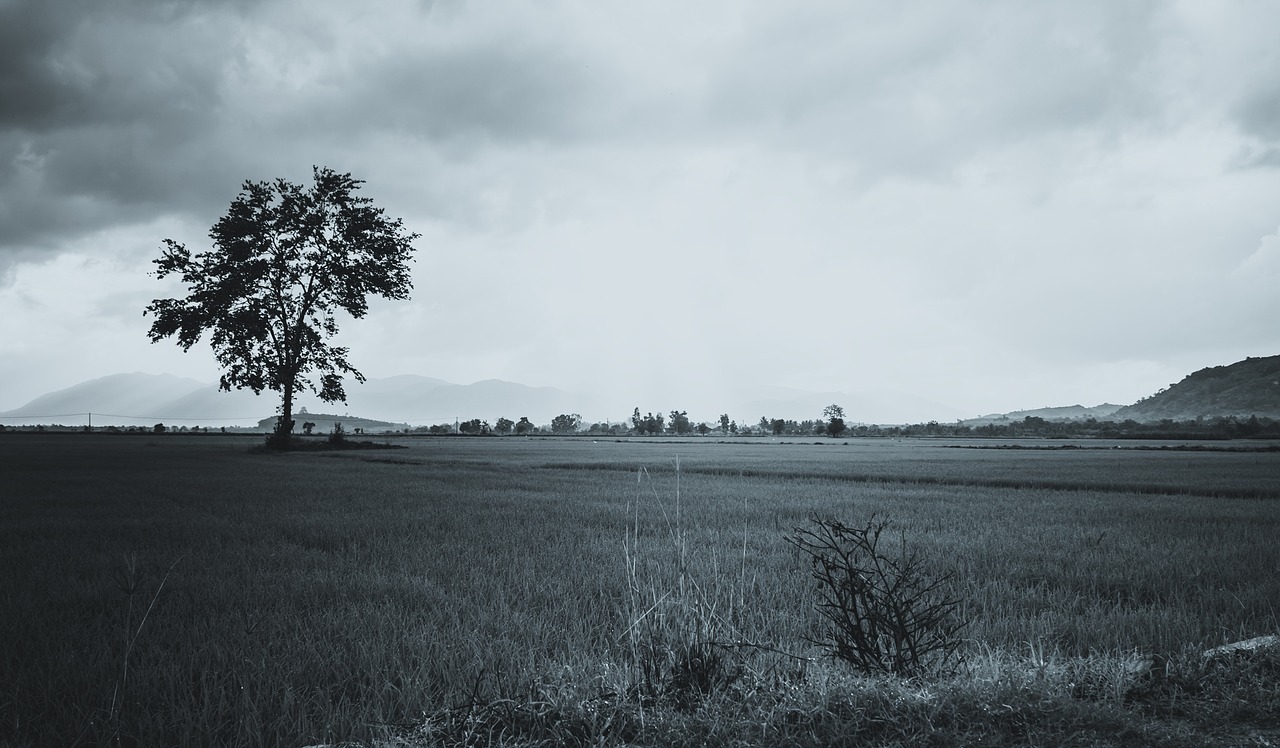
178	590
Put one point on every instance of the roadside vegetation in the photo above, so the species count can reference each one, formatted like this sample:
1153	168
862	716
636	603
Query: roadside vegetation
166	591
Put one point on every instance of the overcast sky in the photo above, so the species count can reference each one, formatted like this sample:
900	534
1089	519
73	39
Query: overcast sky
992	205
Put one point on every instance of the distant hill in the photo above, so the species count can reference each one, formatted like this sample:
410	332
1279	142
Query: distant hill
135	394
139	399
1065	413
1245	388
324	423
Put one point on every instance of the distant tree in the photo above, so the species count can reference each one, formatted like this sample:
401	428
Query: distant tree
733	427
778	426
159	428
637	422
307	426
703	429
285	261
835	420
525	426
504	426
474	426
680	422
765	425
565	423
724	423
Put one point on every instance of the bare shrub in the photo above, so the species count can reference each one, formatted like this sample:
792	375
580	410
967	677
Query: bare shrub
882	611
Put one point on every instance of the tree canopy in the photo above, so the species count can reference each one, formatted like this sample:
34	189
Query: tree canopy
566	423
285	261
835	420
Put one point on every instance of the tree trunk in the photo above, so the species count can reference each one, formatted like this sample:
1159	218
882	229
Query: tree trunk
284	427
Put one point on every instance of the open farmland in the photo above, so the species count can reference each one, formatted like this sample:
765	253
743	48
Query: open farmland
175	590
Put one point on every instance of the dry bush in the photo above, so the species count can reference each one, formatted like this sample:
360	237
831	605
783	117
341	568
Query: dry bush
883	613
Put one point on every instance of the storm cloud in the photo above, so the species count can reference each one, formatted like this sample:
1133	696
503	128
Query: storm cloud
1017	189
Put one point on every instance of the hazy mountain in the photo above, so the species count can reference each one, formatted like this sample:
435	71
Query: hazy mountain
1245	388
143	399
135	394
381	399
1249	387
1065	413
211	406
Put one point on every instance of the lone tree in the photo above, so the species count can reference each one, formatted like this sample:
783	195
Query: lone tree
285	260
835	419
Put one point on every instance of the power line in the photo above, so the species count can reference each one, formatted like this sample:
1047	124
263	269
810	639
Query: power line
137	418
184	418
401	419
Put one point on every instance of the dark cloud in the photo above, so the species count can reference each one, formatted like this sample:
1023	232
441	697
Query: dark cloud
31	94
117	111
506	89
82	62
105	103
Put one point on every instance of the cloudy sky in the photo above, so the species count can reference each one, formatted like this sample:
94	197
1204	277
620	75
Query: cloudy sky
992	205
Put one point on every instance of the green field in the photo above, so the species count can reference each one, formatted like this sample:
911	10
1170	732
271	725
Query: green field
180	590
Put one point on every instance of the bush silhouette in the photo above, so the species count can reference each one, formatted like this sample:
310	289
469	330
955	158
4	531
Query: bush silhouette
882	612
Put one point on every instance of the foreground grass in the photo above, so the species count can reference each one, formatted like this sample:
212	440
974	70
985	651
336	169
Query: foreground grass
328	597
995	699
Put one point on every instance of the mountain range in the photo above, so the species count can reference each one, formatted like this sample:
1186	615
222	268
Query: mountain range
1064	413
145	399
1242	389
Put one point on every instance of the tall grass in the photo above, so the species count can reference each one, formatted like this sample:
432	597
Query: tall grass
327	598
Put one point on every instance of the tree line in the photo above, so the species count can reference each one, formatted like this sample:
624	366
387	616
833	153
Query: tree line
677	423
1220	427
674	423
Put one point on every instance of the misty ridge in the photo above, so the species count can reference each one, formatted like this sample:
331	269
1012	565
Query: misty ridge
1236	393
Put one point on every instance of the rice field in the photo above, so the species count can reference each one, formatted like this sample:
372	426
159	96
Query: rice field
179	590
